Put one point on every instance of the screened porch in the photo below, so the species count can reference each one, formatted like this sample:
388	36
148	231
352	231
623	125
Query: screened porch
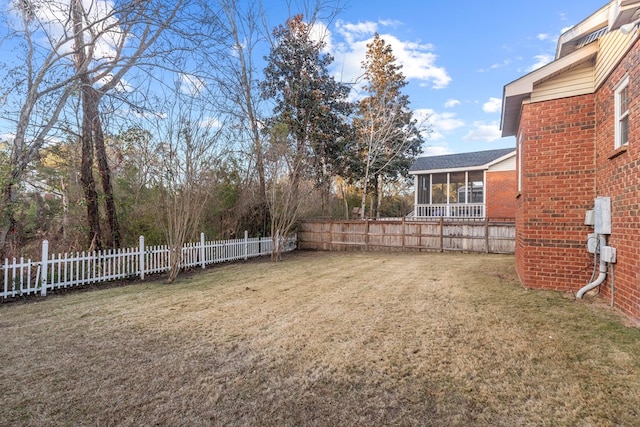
450	195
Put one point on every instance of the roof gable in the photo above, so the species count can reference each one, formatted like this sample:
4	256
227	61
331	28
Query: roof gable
576	47
474	160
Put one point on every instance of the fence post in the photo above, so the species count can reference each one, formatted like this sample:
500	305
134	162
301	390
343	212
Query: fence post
246	245
366	234
330	235
403	232
6	278
202	260
141	256
44	261
486	235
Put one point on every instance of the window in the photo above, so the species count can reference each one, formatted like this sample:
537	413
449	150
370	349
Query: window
622	113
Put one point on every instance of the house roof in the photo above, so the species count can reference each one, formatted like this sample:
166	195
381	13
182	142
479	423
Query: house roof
474	160
575	47
516	92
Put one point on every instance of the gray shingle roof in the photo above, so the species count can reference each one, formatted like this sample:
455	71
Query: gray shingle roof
461	160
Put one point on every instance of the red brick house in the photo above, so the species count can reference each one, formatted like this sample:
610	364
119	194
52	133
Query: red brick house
479	185
577	128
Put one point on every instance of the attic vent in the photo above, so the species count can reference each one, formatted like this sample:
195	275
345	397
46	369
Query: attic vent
591	37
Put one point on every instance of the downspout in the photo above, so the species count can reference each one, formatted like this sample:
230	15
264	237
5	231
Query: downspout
603	271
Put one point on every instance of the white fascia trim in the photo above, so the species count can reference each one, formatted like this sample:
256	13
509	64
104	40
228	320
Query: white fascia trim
471	168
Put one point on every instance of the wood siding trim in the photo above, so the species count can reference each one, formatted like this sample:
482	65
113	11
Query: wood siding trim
613	47
578	81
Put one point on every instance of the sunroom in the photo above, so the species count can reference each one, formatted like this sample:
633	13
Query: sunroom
459	185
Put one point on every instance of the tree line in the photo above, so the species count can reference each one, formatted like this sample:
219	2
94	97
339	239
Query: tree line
167	118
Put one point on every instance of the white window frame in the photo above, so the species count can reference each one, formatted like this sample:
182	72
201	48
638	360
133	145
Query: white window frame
621	117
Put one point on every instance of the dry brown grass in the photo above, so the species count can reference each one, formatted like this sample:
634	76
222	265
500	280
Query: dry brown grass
321	339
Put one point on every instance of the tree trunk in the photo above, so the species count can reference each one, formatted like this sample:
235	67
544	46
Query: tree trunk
345	202
105	175
379	195
265	217
65	209
363	201
86	168
373	211
8	219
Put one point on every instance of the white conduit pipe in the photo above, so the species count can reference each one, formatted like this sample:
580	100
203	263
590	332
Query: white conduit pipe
601	276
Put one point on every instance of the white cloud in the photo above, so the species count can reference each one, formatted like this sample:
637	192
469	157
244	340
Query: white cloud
446	122
440	124
418	62
122	86
351	31
494	105
541	60
417	59
497	65
6	137
390	22
451	103
542	36
53	17
481	131
211	123
436	150
191	84
320	33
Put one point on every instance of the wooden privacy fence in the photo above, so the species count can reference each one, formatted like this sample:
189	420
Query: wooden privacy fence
20	277
439	235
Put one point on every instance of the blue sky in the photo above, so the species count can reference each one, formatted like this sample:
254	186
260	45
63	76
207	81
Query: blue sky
457	56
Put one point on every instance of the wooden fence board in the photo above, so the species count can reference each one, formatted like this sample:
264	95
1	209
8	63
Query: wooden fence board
442	235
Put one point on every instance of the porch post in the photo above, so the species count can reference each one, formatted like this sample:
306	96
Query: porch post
416	181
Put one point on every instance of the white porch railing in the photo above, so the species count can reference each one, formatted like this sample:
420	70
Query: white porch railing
20	277
461	210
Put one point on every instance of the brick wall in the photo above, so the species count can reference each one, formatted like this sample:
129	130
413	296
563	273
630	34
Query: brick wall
618	177
557	188
502	187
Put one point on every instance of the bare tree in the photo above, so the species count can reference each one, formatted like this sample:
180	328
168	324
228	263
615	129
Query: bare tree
103	55
244	32
190	149
388	136
43	82
289	188
69	47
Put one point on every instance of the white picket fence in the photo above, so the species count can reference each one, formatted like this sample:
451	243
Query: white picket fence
22	277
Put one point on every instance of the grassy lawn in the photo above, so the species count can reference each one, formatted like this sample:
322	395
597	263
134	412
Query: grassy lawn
322	339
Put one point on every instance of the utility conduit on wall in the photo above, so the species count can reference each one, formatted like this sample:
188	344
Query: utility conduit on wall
603	271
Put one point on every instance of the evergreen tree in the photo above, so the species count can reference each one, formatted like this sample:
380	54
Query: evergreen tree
309	102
